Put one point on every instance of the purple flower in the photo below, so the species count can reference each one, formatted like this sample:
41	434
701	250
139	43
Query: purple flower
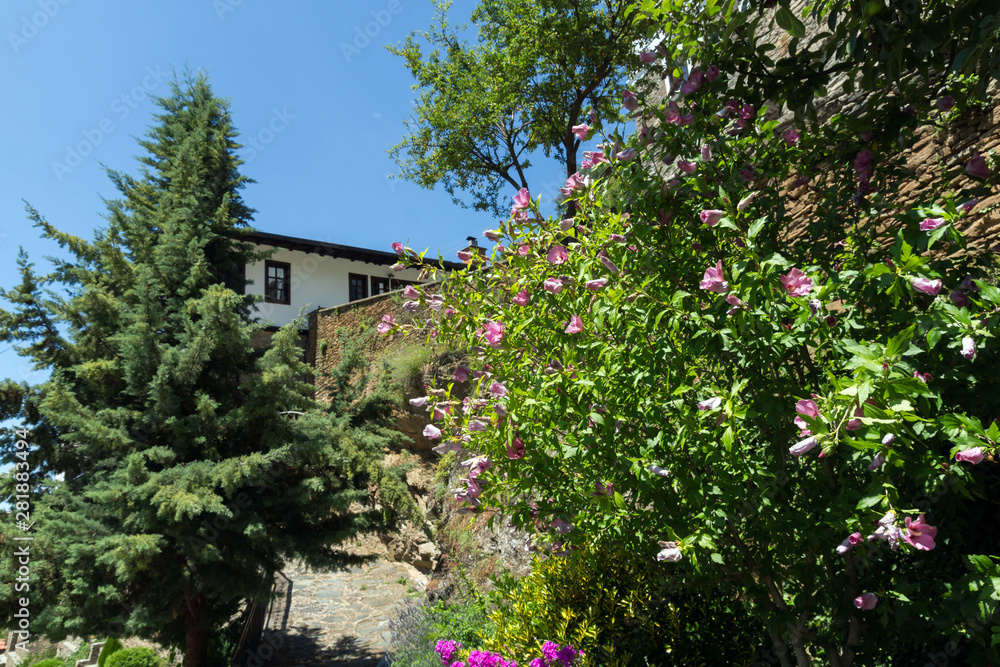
796	283
575	325
710	403
581	131
596	285
657	470
606	261
803	446
925	286
919	534
493	333
497	389
671	552
419	402
521	298
626	154
973	456
887	531
630	101
554	285
461	374
856	423
447	649
647	56
945	103
706	153
432	432
968	348
791	137
852	541
977	166
522	199
714	280
516	450
557	254
712	73
385	326
397	248
687	167
573	183
492	234
866	601
931	223
877	461
711	216
411	292
735	302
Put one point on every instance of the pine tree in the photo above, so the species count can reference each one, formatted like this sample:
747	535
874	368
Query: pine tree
194	466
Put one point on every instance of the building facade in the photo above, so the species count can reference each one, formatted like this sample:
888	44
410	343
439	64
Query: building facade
303	275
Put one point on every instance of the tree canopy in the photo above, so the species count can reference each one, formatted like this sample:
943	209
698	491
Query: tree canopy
793	393
537	69
193	464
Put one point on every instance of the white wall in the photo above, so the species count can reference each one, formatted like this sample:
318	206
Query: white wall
317	282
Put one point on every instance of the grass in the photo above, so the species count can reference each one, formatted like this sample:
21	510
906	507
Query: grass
408	369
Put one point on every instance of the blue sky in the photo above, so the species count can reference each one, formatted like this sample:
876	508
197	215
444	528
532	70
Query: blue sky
316	107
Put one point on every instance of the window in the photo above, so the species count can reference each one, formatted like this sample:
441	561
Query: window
400	284
357	286
379	285
277	282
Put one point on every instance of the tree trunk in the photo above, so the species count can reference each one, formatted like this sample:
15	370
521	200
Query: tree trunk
196	641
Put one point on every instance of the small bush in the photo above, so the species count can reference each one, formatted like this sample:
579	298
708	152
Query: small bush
418	626
620	610
408	369
50	662
111	646
134	657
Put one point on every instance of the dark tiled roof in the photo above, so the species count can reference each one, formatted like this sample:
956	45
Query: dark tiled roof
325	249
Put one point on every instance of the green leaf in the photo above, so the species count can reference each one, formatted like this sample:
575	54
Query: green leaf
790	23
869	501
933	336
619	501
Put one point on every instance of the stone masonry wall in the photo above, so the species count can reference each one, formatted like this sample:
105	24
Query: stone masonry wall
931	151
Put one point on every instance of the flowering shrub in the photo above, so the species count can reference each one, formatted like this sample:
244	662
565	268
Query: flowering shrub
620	608
815	420
553	655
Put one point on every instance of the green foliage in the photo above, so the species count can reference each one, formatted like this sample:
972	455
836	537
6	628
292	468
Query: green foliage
134	657
193	466
620	610
442	472
49	662
896	53
417	626
408	366
485	108
111	646
665	406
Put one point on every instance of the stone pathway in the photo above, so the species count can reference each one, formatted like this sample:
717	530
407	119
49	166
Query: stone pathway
338	619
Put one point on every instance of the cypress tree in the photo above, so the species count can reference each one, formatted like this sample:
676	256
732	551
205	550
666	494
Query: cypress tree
193	466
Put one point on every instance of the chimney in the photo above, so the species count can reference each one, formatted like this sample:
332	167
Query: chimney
474	250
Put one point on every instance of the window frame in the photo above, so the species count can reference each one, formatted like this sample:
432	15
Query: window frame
382	281
362	280
283	266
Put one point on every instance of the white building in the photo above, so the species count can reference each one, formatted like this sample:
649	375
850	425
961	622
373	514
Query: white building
303	275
